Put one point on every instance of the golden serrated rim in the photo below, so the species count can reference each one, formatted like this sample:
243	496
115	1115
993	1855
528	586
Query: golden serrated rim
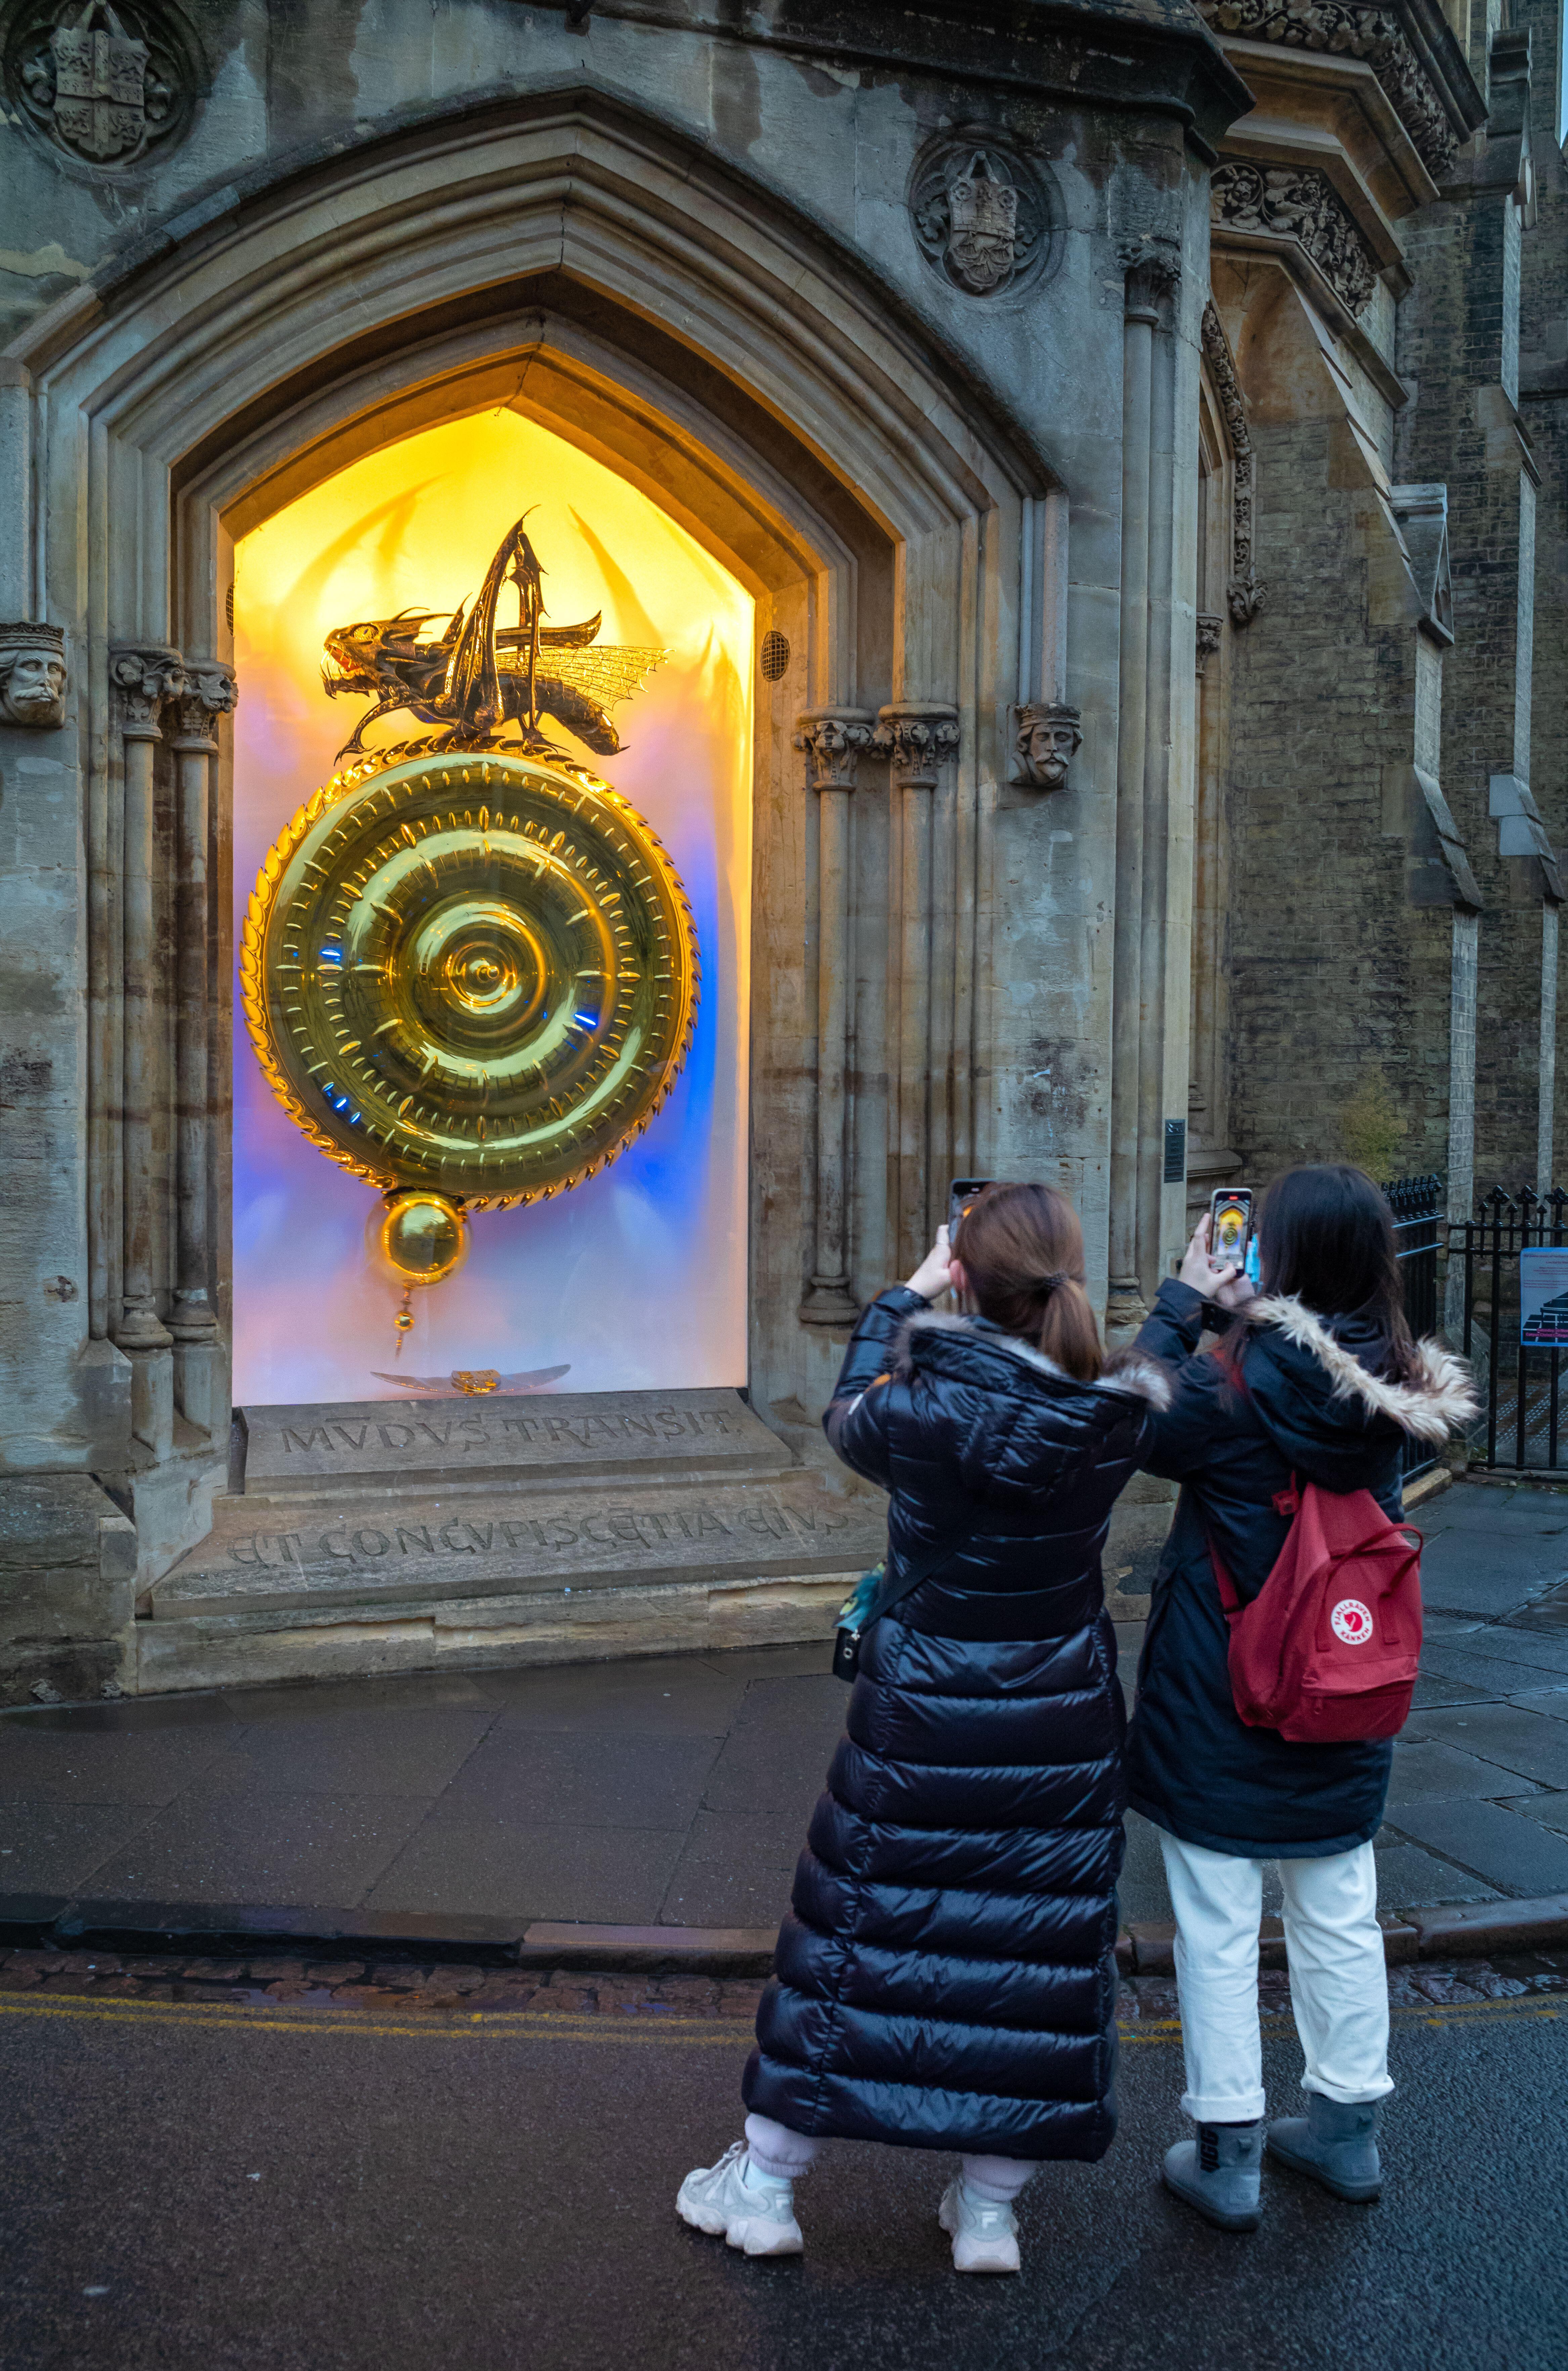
258	1019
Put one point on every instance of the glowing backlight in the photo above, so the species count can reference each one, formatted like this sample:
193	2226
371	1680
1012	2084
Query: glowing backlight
636	1279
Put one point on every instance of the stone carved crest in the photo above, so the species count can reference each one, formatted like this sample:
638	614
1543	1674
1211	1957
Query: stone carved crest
1297	202
983	214
102	80
33	675
983	227
1047	738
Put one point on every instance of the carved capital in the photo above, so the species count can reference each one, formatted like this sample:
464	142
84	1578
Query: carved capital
33	675
917	737
1152	262
145	675
1244	598
1047	736
833	740
1209	625
209	691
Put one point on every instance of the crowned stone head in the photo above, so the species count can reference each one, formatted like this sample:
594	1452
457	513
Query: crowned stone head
33	675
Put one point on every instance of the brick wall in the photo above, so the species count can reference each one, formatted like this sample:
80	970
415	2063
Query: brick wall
1334	973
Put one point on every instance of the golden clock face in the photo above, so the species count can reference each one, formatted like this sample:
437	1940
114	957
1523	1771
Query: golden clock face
470	970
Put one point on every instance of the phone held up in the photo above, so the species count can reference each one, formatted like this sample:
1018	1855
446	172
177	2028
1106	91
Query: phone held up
962	1196
1230	1225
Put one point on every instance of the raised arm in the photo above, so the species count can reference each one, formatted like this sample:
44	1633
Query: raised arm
856	1420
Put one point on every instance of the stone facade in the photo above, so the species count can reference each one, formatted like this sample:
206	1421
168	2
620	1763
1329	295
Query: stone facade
1080	394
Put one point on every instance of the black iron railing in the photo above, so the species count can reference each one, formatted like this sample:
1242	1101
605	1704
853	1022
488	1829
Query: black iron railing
1518	1382
1417	1206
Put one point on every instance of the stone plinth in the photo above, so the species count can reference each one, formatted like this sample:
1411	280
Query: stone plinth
517	1528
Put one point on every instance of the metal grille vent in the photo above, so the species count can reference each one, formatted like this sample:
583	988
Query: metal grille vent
774	655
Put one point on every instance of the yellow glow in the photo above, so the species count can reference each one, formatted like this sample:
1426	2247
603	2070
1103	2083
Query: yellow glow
636	1279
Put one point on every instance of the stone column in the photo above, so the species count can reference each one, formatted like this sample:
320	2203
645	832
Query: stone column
143	677
1147	278
833	740
918	737
209	693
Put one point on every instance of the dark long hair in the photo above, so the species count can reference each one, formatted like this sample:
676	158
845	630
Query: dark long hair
1325	1236
1022	1250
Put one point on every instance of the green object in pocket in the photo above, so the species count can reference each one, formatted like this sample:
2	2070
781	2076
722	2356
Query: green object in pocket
857	1605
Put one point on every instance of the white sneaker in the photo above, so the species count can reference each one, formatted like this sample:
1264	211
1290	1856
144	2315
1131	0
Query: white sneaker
718	2199
984	2236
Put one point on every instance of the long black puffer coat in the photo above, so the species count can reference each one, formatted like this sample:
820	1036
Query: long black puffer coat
1305	1403
946	1975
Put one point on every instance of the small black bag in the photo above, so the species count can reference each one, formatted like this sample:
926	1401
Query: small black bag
859	1612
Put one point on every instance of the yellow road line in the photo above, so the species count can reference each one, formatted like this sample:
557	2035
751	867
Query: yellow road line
527	2025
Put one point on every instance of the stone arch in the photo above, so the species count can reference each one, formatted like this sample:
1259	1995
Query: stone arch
587	263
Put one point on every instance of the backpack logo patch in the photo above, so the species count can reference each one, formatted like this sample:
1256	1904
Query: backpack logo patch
1352	1621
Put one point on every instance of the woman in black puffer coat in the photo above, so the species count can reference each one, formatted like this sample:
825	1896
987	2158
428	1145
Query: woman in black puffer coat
947	1977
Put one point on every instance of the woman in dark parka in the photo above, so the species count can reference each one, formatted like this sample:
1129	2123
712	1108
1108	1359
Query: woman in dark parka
946	1978
1317	1378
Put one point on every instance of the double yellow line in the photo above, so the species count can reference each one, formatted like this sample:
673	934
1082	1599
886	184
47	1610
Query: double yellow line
530	2025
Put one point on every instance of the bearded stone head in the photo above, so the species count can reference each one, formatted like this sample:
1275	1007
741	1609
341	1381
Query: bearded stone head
33	675
1048	739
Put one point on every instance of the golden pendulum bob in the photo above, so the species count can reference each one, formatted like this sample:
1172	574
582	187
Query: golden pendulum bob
424	1239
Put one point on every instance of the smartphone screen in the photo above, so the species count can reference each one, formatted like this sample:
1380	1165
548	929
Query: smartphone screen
964	1191
1230	1225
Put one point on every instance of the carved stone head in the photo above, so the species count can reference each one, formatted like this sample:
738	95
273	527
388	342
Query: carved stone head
1048	740
33	675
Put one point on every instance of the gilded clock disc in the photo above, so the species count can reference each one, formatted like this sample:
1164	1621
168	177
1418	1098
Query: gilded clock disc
470	969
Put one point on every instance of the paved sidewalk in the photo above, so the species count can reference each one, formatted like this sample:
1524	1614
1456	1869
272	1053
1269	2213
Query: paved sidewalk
676	1790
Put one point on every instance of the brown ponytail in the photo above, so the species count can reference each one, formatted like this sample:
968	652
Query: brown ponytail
1022	1250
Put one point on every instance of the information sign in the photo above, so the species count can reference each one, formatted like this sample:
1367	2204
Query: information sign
1543	1296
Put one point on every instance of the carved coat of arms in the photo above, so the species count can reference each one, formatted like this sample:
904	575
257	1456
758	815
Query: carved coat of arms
983	227
101	83
100	76
982	213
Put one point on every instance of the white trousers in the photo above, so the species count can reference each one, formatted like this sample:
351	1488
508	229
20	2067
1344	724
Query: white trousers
1339	1987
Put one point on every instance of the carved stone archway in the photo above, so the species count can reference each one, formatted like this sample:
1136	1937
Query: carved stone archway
568	256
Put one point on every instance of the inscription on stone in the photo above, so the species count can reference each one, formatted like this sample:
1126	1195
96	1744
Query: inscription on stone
620	1528
379	1548
534	1440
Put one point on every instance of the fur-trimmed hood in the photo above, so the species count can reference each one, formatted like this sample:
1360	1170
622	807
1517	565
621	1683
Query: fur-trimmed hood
1130	1373
1437	1400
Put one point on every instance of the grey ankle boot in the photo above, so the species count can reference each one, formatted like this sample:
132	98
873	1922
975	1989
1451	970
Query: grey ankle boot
1219	2174
1336	2143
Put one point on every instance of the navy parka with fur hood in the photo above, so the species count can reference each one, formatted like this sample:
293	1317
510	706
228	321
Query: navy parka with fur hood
1308	1401
945	1978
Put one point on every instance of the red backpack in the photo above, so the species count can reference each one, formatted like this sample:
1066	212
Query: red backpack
1329	1649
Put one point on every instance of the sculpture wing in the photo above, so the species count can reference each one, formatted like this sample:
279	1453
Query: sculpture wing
609	672
433	1386
531	1381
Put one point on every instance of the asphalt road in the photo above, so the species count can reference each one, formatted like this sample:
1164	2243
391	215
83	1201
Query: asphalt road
202	2187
